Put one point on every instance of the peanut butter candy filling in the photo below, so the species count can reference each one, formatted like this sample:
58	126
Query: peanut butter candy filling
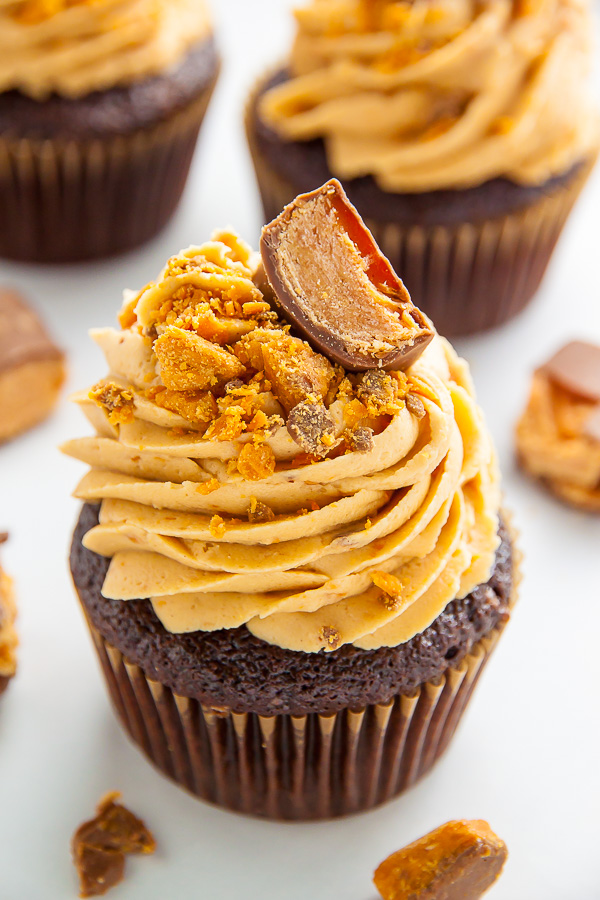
337	288
457	861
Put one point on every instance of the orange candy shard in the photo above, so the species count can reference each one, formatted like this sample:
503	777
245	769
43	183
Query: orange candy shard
457	861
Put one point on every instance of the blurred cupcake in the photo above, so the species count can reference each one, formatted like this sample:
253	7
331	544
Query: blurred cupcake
320	556
101	102
462	131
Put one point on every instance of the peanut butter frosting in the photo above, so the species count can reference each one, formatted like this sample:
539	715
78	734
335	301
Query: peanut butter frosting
434	94
74	47
246	480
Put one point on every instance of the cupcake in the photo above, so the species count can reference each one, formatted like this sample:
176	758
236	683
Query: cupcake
463	132
101	102
293	570
558	434
8	635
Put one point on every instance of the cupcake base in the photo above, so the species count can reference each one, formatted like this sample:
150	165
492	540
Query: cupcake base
291	767
92	177
471	259
323	735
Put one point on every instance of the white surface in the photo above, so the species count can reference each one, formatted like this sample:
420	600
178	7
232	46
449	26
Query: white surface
526	756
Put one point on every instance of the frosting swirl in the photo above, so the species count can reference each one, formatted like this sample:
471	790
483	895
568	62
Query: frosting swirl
74	47
435	94
213	511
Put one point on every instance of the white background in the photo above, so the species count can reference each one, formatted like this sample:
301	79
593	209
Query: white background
526	756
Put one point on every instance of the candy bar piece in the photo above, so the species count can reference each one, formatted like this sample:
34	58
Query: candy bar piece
191	363
336	287
576	368
100	846
311	426
8	635
31	367
591	428
457	861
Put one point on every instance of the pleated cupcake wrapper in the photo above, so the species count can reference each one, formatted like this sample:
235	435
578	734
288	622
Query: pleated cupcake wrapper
467	276
292	767
63	201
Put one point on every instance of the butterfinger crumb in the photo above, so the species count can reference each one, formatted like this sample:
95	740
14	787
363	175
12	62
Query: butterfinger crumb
457	861
256	461
99	846
331	637
117	403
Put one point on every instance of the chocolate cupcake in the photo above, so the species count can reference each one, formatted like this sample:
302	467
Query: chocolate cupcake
293	571
100	107
8	635
462	132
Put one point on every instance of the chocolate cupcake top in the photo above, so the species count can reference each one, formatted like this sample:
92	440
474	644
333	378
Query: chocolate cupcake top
75	47
436	94
245	478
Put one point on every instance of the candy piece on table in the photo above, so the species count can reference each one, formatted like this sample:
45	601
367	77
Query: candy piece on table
337	288
457	861
31	367
558	435
576	368
8	635
101	844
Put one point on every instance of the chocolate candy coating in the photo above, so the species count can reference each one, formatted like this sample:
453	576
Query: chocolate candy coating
337	288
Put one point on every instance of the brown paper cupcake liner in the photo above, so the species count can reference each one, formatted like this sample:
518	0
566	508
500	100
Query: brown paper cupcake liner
68	201
292	767
469	276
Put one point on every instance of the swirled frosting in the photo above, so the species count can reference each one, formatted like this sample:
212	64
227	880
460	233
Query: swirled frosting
434	94
74	47
217	515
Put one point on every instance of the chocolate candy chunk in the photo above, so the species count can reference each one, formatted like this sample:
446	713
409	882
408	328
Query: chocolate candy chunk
8	635
100	845
31	367
361	439
457	861
312	427
576	367
337	288
414	405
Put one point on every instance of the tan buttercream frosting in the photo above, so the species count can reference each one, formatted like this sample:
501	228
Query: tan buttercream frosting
74	47
433	94
216	514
